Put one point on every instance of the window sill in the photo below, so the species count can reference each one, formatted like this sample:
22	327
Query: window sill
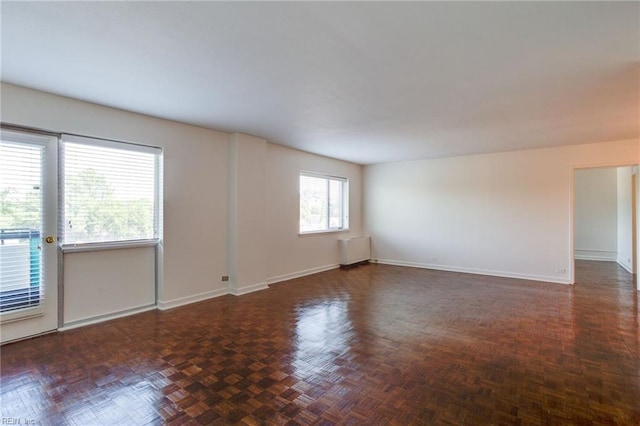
75	248
330	231
21	314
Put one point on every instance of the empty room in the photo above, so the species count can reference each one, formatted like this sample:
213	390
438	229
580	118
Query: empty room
319	213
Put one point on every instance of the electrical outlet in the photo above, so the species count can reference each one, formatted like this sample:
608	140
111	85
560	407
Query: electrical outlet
434	260
225	278
561	270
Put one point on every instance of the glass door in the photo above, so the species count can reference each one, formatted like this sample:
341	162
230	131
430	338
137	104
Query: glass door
28	243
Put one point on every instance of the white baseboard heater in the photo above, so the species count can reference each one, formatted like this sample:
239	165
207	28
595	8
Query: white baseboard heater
354	250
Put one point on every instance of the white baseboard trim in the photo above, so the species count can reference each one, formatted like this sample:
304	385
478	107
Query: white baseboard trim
298	274
595	258
174	303
249	289
599	255
106	317
530	277
626	266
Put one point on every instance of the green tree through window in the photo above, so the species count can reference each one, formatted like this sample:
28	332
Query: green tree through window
110	191
92	209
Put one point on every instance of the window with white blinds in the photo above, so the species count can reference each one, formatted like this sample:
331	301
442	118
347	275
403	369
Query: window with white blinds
21	208
110	191
324	203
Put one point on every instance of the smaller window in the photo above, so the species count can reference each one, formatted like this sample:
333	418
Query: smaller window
324	203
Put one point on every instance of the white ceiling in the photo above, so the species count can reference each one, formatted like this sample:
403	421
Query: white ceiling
366	82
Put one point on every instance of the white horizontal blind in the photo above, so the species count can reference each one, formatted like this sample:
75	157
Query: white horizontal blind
322	203
20	225
110	191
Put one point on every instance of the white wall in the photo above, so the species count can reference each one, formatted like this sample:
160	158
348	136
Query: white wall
195	186
289	254
625	248
505	214
247	214
596	217
95	288
230	208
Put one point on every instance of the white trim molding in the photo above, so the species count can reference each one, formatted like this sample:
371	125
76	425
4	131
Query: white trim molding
298	274
620	261
106	317
174	303
249	289
593	254
438	267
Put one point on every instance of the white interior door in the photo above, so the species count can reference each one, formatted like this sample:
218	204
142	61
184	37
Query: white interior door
28	229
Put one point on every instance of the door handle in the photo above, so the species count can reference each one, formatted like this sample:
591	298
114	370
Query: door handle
50	240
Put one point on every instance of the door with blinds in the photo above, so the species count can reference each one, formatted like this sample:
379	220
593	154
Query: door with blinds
28	243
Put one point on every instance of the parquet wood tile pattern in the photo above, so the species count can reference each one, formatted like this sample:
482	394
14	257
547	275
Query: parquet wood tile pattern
371	345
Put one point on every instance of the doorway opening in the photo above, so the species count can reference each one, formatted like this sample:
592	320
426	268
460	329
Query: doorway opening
606	216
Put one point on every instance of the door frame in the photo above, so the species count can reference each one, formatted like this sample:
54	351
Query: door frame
634	220
25	324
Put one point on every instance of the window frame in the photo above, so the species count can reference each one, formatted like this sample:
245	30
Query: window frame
157	196
345	203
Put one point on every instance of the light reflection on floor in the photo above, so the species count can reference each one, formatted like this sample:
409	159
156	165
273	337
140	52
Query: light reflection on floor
322	333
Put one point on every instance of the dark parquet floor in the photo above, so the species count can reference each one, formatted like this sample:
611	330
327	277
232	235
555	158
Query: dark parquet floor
371	345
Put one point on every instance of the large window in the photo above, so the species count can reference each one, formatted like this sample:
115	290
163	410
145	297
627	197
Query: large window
324	203
110	190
